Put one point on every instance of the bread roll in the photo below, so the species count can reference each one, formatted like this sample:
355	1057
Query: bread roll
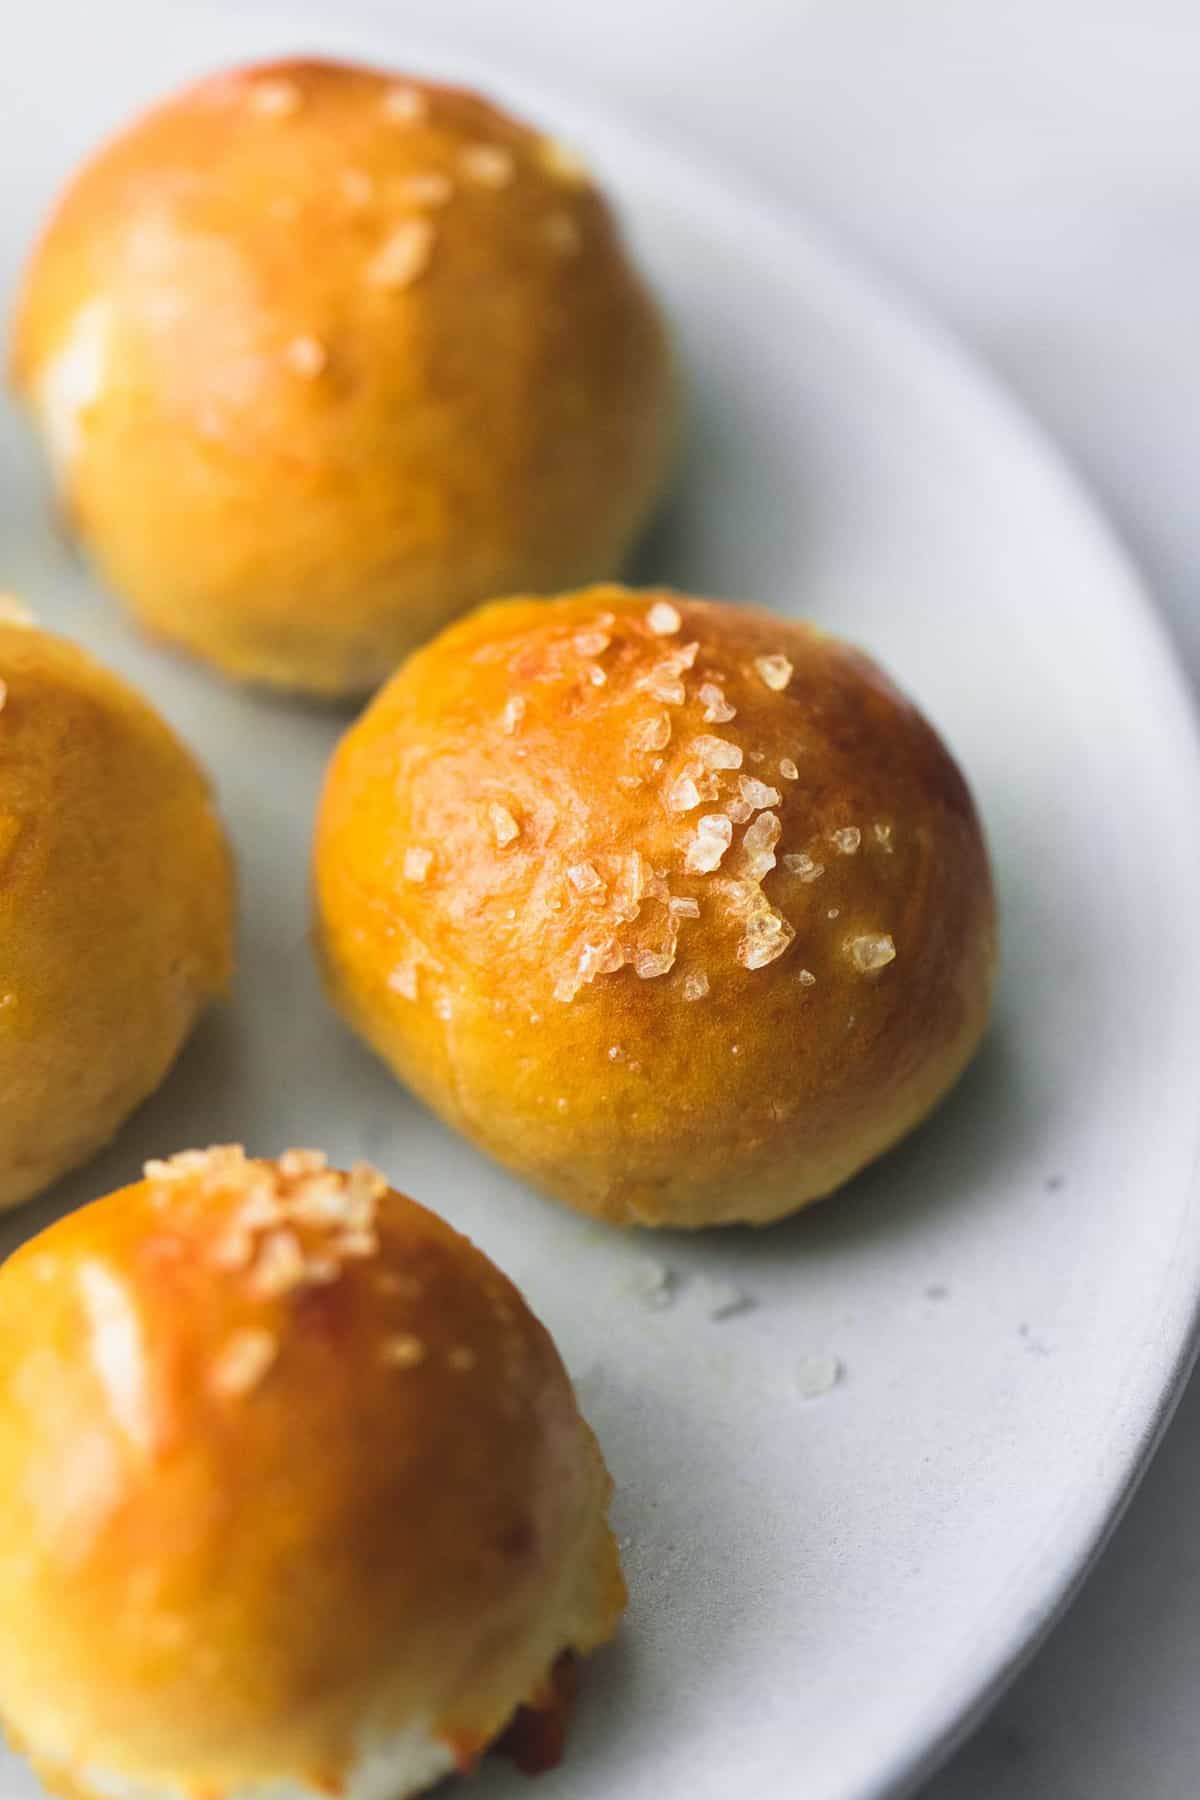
323	355
295	1498
116	904
678	909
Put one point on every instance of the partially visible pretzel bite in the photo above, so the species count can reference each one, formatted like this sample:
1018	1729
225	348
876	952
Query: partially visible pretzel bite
116	903
679	909
295	1497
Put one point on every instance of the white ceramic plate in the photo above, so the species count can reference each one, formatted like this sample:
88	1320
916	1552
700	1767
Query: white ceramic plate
825	1591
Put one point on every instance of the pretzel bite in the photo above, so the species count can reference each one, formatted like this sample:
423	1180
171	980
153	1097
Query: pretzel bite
323	355
677	908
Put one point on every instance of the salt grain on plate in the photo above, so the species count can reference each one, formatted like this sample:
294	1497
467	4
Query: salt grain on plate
817	1375
654	1284
722	1299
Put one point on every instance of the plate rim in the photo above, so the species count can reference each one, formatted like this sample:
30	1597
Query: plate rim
891	314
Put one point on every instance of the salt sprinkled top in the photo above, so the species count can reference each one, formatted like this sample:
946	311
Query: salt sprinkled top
274	1203
846	840
776	671
788	769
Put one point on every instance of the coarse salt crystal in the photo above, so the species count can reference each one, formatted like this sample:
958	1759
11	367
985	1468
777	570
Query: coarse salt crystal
846	839
714	834
416	863
514	712
683	794
717	710
872	950
243	1361
695	984
585	878
759	844
757	794
428	188
404	105
403	255
491	165
776	671
592	643
504	826
403	1351
788	769
766	935
275	99
653	733
717	753
663	619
